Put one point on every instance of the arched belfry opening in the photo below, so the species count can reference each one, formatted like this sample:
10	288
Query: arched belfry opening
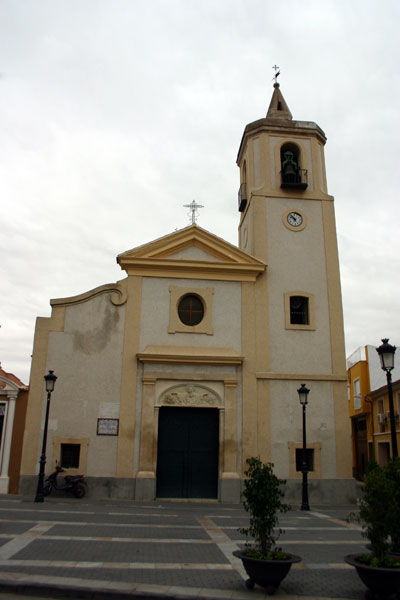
292	175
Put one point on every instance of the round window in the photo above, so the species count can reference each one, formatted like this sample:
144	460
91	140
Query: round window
190	309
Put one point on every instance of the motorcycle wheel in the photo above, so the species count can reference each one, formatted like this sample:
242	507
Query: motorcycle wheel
79	491
47	490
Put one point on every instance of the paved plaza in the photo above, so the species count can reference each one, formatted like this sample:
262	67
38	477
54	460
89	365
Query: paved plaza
89	548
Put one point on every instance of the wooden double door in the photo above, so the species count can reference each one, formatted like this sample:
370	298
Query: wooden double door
187	454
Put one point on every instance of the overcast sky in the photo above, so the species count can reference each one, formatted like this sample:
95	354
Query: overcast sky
114	114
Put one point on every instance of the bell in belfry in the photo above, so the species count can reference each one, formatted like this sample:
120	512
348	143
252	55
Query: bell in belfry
289	168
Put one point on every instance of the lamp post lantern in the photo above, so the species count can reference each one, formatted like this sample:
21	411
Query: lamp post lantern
386	354
50	380
303	392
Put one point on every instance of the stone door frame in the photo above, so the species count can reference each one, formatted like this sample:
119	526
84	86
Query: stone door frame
198	393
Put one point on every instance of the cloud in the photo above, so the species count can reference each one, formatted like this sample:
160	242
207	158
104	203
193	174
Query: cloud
114	117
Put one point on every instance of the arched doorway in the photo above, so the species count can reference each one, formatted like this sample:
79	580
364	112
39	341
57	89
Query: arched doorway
187	453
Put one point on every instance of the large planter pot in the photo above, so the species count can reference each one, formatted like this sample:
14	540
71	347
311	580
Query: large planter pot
380	581
266	573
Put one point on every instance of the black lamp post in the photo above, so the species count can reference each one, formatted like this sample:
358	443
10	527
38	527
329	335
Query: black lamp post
50	380
303	397
386	354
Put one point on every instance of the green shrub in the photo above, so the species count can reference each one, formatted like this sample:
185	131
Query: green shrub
262	499
380	513
393	475
375	508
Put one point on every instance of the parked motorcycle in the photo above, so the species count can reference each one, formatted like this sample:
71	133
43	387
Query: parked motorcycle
75	484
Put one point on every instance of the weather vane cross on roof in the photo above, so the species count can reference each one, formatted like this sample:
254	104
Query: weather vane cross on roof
277	73
193	213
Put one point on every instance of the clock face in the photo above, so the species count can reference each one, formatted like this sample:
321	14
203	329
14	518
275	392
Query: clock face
294	219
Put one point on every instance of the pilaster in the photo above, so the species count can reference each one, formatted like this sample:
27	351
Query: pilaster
146	477
5	459
230	479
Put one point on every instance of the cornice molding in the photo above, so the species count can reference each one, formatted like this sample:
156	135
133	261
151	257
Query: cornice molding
284	128
189	355
190	269
226	261
302	376
11	387
118	297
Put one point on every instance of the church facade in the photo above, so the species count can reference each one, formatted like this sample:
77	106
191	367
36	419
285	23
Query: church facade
169	379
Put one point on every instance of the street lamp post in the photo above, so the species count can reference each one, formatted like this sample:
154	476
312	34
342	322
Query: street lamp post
50	380
303	392
386	354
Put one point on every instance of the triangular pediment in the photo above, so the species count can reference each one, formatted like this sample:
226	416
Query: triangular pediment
191	252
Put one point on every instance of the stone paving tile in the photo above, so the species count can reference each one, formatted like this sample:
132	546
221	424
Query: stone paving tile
187	578
322	553
345	535
172	564
316	519
313	535
130	531
319	583
239	521
324	583
339	515
95	518
14	527
120	551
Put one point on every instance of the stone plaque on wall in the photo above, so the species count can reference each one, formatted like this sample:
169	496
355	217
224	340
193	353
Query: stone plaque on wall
107	426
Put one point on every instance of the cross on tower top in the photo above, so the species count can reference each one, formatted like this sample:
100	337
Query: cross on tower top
277	73
193	213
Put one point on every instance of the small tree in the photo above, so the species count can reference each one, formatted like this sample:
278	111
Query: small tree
375	510
393	475
379	513
262	499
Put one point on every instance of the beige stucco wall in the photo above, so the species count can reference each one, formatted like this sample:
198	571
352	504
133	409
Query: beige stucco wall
297	262
86	357
246	232
155	314
193	253
287	423
36	400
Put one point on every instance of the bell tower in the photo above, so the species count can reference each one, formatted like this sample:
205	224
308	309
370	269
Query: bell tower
278	158
287	221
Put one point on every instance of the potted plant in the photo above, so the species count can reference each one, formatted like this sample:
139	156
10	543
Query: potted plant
379	514
262	496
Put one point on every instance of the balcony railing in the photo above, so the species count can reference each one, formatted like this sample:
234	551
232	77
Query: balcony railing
294	180
242	197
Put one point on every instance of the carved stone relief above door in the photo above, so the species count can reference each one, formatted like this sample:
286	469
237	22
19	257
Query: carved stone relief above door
190	395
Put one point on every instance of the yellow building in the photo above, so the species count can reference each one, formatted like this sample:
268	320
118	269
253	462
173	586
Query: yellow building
360	409
169	379
369	408
381	421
